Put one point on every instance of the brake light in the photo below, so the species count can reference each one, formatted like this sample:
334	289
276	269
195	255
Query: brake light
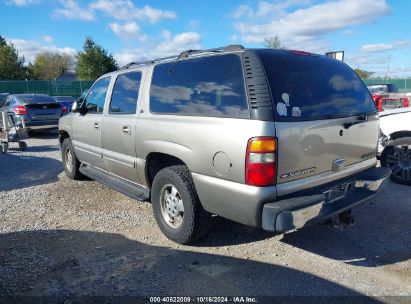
20	110
378	103
406	102
299	52
260	166
64	109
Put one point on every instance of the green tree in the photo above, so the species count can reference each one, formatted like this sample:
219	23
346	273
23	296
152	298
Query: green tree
50	65
273	42
363	74
2	41
94	61
11	64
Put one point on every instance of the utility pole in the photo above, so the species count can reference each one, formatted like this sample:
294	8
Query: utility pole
27	85
388	67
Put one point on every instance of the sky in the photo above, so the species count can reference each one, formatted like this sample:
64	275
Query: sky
375	35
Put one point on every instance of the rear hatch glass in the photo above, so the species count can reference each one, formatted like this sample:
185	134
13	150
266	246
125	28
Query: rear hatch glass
314	98
309	87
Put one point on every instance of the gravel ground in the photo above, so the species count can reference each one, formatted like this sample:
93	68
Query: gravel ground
60	237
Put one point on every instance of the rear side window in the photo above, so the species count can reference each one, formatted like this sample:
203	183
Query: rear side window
207	86
125	93
308	87
97	96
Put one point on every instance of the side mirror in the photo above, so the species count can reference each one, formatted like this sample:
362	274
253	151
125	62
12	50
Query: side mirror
78	107
74	107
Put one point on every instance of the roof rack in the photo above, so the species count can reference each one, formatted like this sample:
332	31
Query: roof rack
228	48
187	53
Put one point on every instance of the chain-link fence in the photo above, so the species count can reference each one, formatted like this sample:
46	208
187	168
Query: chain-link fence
49	87
76	87
403	85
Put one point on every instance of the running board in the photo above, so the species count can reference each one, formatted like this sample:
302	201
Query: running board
121	185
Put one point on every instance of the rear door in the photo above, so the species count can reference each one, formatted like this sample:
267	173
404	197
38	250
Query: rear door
87	127
119	127
326	122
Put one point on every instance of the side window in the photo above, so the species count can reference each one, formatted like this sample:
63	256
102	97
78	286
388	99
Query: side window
125	93
8	101
207	86
97	96
3	100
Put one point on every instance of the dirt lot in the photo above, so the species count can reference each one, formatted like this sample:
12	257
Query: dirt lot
60	237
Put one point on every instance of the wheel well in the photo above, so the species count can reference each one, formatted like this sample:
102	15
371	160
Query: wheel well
158	161
62	136
400	134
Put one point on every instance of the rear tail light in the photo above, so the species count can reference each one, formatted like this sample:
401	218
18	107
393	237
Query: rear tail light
297	52
406	102
20	110
260	166
64	109
378	103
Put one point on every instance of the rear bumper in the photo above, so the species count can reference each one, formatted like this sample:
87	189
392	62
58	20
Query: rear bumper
313	207
42	124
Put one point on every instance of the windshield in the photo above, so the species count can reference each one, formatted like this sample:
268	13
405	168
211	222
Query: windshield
308	87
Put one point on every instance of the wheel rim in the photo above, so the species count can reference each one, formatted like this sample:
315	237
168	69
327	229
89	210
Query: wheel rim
399	161
172	208
69	160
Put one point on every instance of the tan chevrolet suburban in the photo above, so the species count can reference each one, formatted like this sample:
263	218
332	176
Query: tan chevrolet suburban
277	139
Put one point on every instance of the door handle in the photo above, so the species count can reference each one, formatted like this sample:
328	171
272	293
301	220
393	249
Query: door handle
126	130
96	125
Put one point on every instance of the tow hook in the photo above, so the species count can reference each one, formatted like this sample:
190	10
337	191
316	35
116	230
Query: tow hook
342	220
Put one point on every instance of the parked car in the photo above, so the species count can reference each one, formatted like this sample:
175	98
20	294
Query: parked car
277	139
38	111
386	96
394	145
66	102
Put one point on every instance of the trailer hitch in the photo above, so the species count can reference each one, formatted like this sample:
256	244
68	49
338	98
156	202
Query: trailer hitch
342	220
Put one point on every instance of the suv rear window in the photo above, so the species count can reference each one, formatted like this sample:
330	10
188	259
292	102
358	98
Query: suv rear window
309	87
206	86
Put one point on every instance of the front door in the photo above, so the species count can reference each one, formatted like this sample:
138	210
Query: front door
87	127
119	127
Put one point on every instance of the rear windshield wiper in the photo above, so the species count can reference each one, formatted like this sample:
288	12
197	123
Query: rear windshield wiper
360	119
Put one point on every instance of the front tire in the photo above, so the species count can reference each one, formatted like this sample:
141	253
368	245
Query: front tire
176	206
70	162
398	159
22	146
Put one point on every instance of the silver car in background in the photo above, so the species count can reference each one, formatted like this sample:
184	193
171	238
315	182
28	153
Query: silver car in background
38	111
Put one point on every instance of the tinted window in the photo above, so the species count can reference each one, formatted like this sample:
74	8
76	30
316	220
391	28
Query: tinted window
9	101
97	96
125	93
3	98
313	87
208	86
64	98
35	99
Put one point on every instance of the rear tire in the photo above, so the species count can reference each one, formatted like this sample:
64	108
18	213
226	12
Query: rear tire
176	206
70	162
398	159
23	146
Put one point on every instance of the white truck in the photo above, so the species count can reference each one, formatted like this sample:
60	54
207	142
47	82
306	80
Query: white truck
394	147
